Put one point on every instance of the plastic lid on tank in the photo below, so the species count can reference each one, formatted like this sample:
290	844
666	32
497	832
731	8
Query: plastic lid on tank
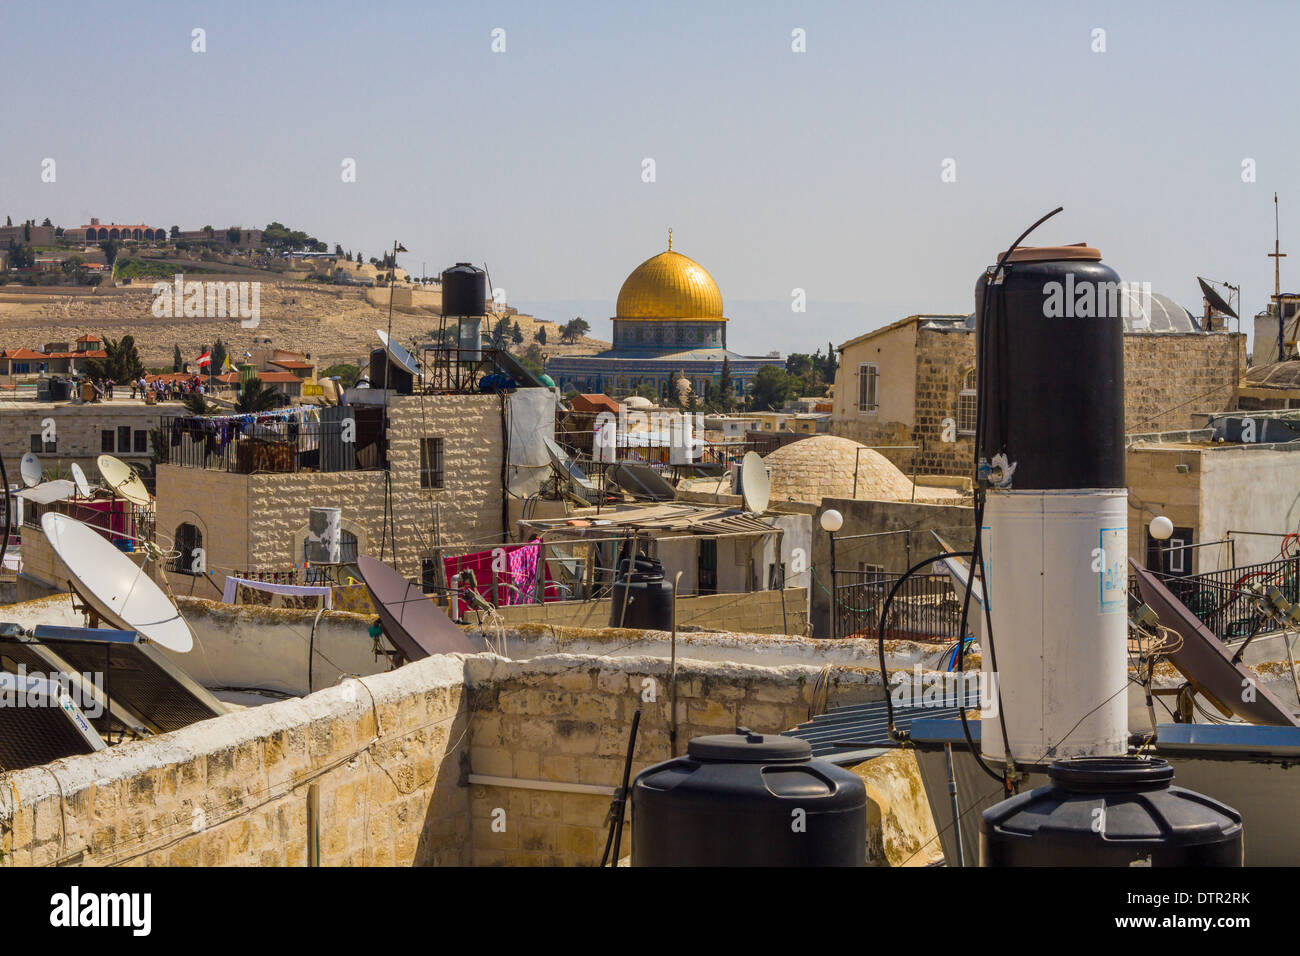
745	746
1103	774
1079	251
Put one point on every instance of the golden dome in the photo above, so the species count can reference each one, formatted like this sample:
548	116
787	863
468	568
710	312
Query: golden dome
669	286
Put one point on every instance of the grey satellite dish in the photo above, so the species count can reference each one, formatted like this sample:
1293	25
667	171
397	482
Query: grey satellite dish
641	481
417	627
566	468
1207	662
1216	301
79	479
755	486
399	355
30	469
119	591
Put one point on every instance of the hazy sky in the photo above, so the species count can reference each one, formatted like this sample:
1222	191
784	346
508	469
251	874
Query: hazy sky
777	170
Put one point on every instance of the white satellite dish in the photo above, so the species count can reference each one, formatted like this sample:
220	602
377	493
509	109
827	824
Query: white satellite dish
399	355
122	478
121	593
755	486
31	470
79	479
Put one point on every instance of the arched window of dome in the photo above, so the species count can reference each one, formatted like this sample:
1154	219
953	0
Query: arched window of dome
967	403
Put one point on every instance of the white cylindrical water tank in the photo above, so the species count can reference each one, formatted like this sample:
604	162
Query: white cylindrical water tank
325	535
1057	590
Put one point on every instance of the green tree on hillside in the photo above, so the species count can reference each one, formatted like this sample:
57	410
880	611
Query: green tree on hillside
540	335
178	363
111	247
218	357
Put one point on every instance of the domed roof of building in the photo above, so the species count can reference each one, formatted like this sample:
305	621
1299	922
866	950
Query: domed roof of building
669	286
823	466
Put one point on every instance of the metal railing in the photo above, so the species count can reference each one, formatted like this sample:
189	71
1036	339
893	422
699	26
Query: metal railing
1219	598
279	447
926	608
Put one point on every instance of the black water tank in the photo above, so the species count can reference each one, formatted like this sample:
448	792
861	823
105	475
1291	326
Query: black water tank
748	799
382	366
1050	355
464	290
1110	811
648	596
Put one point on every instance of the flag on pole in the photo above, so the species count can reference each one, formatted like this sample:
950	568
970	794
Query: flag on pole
205	359
226	366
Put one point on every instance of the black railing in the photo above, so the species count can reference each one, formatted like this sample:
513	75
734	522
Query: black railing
1220	600
226	445
926	608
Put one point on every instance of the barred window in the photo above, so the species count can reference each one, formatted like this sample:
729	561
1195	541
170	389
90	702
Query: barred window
430	462
967	404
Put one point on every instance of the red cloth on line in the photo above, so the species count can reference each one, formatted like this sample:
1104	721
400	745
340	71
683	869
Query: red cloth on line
480	562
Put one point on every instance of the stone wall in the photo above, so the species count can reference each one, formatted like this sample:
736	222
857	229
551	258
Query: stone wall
758	612
77	431
385	753
258	522
471	499
441	762
1168	379
566	718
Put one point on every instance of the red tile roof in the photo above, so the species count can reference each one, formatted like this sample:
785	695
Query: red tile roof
287	378
598	402
89	338
23	354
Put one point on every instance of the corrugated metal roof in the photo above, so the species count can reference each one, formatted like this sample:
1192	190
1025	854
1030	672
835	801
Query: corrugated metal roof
674	517
864	726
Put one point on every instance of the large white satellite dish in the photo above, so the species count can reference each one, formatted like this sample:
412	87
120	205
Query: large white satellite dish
30	468
399	354
121	593
122	478
79	479
755	486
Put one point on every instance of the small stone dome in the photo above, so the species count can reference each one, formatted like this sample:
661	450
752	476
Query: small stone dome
823	467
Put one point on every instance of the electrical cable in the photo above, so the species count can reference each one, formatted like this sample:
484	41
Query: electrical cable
983	327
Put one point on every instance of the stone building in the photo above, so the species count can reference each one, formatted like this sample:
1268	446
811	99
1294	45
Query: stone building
60	433
912	384
669	321
436	472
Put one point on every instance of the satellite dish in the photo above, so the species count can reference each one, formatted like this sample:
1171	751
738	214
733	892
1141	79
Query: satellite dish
755	486
79	479
122	478
1216	301
399	355
417	627
119	591
641	481
31	470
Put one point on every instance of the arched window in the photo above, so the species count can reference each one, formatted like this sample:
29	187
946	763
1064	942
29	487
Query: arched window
966	403
189	544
